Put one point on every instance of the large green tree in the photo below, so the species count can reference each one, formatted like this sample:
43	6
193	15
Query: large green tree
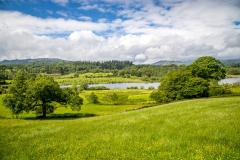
208	68
180	84
16	99
194	81
40	94
173	83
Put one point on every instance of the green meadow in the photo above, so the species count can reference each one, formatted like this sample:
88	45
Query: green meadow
193	129
136	99
93	78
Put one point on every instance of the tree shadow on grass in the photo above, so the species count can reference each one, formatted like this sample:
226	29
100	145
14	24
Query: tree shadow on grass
64	116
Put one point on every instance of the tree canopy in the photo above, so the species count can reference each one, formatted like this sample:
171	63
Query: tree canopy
40	94
207	68
194	81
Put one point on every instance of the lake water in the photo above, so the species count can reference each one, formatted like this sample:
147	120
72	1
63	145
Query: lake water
146	85
125	85
229	80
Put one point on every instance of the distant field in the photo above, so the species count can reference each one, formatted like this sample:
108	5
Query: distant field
194	129
94	78
135	96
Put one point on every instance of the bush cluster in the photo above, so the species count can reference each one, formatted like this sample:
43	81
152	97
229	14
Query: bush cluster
132	87
98	88
200	79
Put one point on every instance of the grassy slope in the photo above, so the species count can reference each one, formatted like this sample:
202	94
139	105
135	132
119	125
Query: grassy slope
196	129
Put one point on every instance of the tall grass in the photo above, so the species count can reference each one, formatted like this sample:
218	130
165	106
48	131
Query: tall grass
195	129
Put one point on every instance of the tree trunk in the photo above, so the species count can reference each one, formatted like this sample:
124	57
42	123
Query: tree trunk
44	110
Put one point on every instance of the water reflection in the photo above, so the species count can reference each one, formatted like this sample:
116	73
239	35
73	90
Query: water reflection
229	80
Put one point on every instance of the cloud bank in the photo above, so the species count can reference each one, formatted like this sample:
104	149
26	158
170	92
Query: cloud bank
145	33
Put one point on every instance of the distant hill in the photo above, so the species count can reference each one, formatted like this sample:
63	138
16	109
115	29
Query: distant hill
231	62
25	61
227	62
165	62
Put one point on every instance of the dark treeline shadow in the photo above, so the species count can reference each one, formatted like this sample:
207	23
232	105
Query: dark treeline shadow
64	116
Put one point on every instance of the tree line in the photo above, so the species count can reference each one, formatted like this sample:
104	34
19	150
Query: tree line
118	68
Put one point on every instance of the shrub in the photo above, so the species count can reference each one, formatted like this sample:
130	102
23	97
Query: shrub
236	84
233	71
132	87
151	88
145	78
93	98
116	98
84	86
76	74
160	97
216	89
194	88
98	88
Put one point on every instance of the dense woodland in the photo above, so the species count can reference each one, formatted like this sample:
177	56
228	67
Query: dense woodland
118	68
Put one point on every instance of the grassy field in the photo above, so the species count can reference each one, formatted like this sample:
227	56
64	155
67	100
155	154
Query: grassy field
135	96
136	99
235	90
94	78
194	129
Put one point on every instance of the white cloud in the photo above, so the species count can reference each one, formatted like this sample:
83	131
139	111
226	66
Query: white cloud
88	7
85	45
60	2
233	41
184	31
64	14
85	37
189	17
17	20
103	20
85	18
91	7
140	57
49	11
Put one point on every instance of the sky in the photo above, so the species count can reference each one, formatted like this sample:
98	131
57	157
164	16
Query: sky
141	31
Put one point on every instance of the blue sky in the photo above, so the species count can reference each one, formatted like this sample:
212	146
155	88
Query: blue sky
142	31
57	9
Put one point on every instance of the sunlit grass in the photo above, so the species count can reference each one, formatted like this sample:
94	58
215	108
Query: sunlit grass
93	78
88	108
4	112
235	89
69	81
195	129
135	96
